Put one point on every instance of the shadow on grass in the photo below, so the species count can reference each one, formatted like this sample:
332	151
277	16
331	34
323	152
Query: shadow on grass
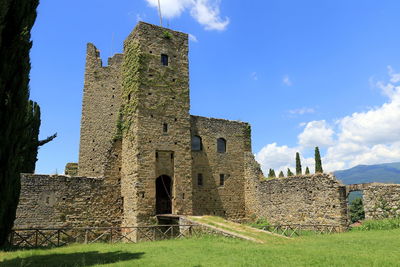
88	258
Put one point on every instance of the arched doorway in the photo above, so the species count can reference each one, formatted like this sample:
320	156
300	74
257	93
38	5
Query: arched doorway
163	195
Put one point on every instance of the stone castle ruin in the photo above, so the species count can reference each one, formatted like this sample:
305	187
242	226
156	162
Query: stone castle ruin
142	154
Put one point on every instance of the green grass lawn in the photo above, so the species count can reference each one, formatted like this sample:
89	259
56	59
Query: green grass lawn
358	248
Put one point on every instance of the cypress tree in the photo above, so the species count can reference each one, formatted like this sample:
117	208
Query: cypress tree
271	173
30	150
281	175
298	164
307	170
318	163
16	21
289	172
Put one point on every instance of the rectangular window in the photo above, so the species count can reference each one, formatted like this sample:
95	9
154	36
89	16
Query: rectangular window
165	128
199	179
164	59
221	179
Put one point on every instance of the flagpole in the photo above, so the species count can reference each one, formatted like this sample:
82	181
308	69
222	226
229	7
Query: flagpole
159	12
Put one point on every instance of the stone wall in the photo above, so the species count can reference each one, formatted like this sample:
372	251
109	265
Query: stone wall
210	197
308	199
61	201
100	110
381	201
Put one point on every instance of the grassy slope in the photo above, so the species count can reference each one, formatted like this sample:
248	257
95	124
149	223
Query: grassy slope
241	229
370	248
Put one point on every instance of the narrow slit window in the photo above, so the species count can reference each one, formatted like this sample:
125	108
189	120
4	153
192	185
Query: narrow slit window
199	179
164	59
165	128
221	145
221	179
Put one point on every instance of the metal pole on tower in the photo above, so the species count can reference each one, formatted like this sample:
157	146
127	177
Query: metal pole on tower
159	12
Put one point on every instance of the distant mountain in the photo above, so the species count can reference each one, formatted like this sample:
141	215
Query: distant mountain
380	173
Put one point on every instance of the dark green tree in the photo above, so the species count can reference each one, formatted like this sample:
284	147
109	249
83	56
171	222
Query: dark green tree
30	150
357	210
281	175
16	21
289	172
298	164
271	173
318	163
307	170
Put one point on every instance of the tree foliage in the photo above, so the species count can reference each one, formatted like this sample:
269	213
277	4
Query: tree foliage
318	163
298	164
281	175
16	20
357	210
271	173
289	172
307	170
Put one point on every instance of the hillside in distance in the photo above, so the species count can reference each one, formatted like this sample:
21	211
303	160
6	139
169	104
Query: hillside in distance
380	173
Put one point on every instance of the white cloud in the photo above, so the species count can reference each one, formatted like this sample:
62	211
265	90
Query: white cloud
286	80
254	76
206	12
301	111
171	8
369	137
193	38
316	133
276	157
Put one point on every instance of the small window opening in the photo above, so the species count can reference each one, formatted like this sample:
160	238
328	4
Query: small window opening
129	97
149	93
142	194
183	195
173	80
156	155
164	59
199	179
165	127
176	119
221	179
151	52
172	155
221	145
196	143
112	96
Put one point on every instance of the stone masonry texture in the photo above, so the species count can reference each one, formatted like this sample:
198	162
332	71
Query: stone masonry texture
136	129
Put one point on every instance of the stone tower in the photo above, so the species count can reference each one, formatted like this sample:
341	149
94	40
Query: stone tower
100	107
155	124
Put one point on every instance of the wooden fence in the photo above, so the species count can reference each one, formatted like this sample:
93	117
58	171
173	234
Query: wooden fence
302	229
55	237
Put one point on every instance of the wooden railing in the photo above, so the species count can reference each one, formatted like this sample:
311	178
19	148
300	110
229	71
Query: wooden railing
48	237
302	229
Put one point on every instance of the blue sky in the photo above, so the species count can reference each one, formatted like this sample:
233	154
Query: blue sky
302	73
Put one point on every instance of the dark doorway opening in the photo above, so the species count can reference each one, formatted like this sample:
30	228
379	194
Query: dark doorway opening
163	195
